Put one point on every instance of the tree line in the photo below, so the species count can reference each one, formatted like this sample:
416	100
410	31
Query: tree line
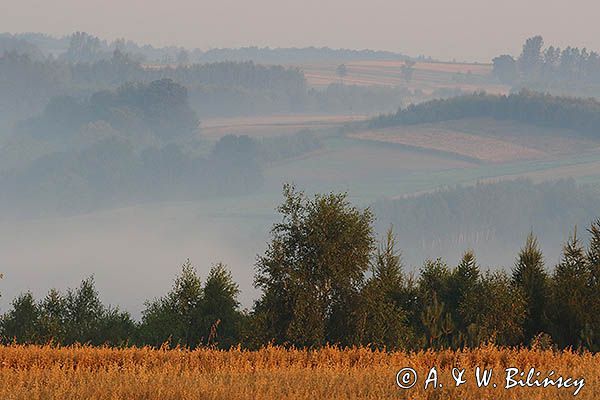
27	84
159	108
576	114
325	279
486	216
115	170
137	142
549	67
28	81
84	47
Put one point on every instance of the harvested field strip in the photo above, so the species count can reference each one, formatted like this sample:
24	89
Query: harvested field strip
472	146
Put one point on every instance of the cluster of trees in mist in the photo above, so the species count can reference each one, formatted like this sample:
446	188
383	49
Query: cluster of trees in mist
344	98
550	68
27	84
29	79
10	43
324	279
134	143
160	108
487	215
113	172
544	110
138	147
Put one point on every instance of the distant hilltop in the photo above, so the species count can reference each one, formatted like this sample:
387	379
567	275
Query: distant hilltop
70	47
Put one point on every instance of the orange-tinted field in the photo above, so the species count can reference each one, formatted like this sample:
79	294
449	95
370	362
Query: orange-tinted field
36	373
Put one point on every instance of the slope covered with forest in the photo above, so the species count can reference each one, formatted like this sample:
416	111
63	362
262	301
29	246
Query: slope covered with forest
577	114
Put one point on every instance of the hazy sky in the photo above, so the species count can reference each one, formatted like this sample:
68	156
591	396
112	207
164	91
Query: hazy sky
461	29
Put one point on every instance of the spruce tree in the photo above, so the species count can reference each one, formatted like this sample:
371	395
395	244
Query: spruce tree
174	318
387	267
434	290
384	318
594	284
570	294
53	315
531	278
463	284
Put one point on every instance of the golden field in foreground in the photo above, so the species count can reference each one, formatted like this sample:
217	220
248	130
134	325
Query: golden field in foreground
31	372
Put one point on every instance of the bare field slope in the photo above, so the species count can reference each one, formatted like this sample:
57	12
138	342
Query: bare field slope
484	139
274	125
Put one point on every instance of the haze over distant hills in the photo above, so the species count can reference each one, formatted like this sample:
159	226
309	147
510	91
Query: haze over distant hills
184	152
467	30
38	43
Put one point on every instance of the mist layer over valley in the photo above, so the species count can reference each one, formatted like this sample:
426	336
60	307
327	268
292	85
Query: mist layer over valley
121	161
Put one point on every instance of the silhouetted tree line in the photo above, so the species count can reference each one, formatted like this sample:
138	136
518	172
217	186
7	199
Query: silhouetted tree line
324	279
10	43
81	47
577	114
550	68
88	61
122	68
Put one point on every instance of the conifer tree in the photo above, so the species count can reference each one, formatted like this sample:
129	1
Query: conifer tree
434	289
531	278
570	294
593	254
53	317
388	266
593	257
384	318
175	317
463	284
